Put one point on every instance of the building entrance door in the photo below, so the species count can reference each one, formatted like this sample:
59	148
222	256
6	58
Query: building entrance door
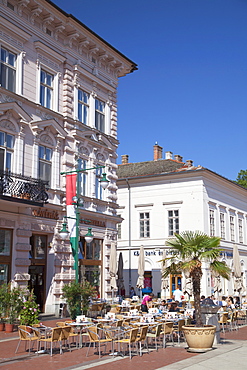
175	282
37	283
37	268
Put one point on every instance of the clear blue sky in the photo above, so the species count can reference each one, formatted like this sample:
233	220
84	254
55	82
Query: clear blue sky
190	91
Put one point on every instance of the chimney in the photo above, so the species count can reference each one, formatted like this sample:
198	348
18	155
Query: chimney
125	159
189	163
169	155
178	158
158	152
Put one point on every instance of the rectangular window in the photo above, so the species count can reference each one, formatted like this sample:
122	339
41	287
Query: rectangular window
98	188
222	226
100	115
5	255
240	230
6	151
8	70
119	231
45	163
173	222
232	228
83	99
144	225
38	247
82	165
46	89
211	220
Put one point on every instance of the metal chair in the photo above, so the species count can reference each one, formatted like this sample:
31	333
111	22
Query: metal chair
25	336
130	340
54	337
142	338
167	332
155	335
94	338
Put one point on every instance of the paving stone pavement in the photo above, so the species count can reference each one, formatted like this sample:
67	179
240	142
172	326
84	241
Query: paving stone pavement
231	354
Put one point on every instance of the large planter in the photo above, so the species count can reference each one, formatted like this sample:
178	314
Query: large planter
9	327
2	326
199	339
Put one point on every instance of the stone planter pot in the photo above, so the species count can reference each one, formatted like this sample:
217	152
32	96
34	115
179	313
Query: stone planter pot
2	326
199	339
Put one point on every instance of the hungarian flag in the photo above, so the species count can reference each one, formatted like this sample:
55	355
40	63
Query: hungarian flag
71	213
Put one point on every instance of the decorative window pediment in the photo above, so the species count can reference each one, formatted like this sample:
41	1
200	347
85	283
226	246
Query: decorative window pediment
13	109
52	124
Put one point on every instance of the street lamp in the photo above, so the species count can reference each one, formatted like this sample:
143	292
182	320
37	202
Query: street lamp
76	202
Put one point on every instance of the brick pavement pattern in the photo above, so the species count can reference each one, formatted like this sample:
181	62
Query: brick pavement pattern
77	357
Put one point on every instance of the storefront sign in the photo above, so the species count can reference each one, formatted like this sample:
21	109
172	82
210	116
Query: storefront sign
45	213
93	222
154	253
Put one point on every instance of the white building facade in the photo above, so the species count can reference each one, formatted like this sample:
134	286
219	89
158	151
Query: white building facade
58	110
166	196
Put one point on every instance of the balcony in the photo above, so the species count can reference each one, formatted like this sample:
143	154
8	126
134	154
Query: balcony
23	189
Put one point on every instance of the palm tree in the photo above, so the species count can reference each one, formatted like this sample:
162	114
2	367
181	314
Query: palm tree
189	250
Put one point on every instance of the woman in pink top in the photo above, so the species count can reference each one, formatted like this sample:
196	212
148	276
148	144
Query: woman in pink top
146	302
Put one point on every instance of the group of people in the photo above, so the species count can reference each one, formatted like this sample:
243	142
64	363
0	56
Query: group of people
228	302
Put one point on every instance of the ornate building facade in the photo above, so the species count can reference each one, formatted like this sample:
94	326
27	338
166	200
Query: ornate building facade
58	111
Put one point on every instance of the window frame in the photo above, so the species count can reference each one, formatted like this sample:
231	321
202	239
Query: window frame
100	115
222	226
240	230
175	222
144	224
47	88
7	150
83	177
6	259
47	163
232	228
84	106
9	67
212	222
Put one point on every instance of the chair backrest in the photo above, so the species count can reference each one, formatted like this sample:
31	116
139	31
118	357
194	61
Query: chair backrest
133	335
66	330
62	324
180	324
119	323
224	317
93	333
158	330
23	335
56	334
143	333
168	327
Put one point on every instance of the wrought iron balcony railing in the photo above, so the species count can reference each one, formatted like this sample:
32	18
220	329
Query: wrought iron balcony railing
23	187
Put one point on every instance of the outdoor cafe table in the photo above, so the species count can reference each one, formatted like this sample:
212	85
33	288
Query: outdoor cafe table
81	326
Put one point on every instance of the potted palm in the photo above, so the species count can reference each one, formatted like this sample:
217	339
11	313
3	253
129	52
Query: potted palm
77	297
189	250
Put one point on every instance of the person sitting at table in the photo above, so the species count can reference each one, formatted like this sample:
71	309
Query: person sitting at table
132	292
146	302
163	306
174	307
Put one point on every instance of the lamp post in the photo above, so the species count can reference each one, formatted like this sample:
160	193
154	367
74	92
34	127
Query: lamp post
77	203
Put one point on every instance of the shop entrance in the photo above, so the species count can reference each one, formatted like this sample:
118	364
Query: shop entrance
175	282
37	269
37	283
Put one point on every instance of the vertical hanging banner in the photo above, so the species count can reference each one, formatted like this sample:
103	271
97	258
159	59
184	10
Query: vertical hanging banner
71	212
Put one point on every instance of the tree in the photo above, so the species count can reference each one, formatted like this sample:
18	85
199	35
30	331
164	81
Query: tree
77	296
242	178
189	250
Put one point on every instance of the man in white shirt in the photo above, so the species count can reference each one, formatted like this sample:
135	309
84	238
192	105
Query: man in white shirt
178	295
